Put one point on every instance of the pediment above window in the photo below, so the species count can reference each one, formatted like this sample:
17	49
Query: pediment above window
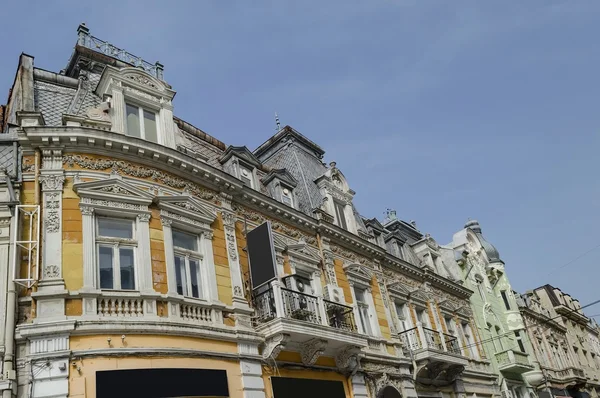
447	306
359	273
422	294
186	209
113	189
398	289
242	153
282	175
303	255
137	81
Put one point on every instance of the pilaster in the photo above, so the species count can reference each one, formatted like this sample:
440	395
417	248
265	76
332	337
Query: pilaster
143	253
118	110
229	219
50	295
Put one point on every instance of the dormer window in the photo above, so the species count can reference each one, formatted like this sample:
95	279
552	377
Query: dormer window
141	123
286	197
246	176
340	217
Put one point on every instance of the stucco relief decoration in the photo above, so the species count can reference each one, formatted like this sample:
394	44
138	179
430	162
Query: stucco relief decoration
86	162
27	165
169	216
274	345
347	359
330	267
144	80
52	219
312	350
52	182
237	290
276	225
141	94
396	277
115	189
231	249
51	271
97	114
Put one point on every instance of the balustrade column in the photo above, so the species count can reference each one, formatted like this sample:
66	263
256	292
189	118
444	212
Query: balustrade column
276	286
322	311
424	342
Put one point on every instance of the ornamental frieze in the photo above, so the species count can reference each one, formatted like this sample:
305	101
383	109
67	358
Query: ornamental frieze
276	225
347	254
123	167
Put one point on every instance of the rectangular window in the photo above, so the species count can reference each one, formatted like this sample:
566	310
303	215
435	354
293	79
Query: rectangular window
286	197
363	310
519	340
141	123
246	177
403	318
116	256
339	214
187	264
470	349
505	299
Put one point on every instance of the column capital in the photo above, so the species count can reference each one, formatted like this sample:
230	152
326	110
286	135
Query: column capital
52	182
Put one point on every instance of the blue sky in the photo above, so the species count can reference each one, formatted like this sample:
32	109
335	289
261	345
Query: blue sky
440	110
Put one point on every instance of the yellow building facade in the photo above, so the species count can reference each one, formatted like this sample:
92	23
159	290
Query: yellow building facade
132	273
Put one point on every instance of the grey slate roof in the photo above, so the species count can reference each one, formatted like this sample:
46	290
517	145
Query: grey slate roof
52	100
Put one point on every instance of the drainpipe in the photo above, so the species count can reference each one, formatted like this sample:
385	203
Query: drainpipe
11	308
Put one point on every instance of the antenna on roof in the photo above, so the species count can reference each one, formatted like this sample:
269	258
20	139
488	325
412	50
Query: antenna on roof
277	122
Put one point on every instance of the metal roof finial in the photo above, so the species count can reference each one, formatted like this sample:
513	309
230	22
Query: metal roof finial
277	122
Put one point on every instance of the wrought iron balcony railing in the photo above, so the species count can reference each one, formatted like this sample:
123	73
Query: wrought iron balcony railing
280	302
421	337
340	316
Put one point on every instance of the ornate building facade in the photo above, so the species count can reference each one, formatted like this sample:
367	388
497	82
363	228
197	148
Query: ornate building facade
129	270
499	322
565	341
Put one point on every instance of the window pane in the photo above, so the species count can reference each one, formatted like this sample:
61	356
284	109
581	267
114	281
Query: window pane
364	320
115	228
360	295
105	260
339	212
127	268
133	120
150	132
180	275
185	240
195	278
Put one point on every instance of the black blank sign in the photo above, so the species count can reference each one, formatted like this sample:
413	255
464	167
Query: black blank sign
161	383
288	387
261	255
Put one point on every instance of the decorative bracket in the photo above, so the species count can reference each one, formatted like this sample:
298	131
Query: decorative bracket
312	350
274	345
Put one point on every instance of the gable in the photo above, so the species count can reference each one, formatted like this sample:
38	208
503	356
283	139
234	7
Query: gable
113	188
242	153
397	288
358	273
283	175
187	206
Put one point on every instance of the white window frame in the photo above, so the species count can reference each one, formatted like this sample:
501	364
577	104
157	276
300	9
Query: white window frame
194	218
289	195
249	177
470	349
194	255
361	277
141	110
340	214
115	244
364	312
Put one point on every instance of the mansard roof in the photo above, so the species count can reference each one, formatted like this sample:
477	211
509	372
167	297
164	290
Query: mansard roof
285	135
374	223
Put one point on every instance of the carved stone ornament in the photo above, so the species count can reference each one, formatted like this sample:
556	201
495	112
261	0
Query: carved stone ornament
231	249
115	189
257	218
51	271
52	182
228	219
144	80
85	162
274	345
52	219
312	350
97	114
144	217
237	291
346	359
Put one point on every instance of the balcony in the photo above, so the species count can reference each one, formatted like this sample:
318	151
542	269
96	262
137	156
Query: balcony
570	375
513	362
297	318
438	355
